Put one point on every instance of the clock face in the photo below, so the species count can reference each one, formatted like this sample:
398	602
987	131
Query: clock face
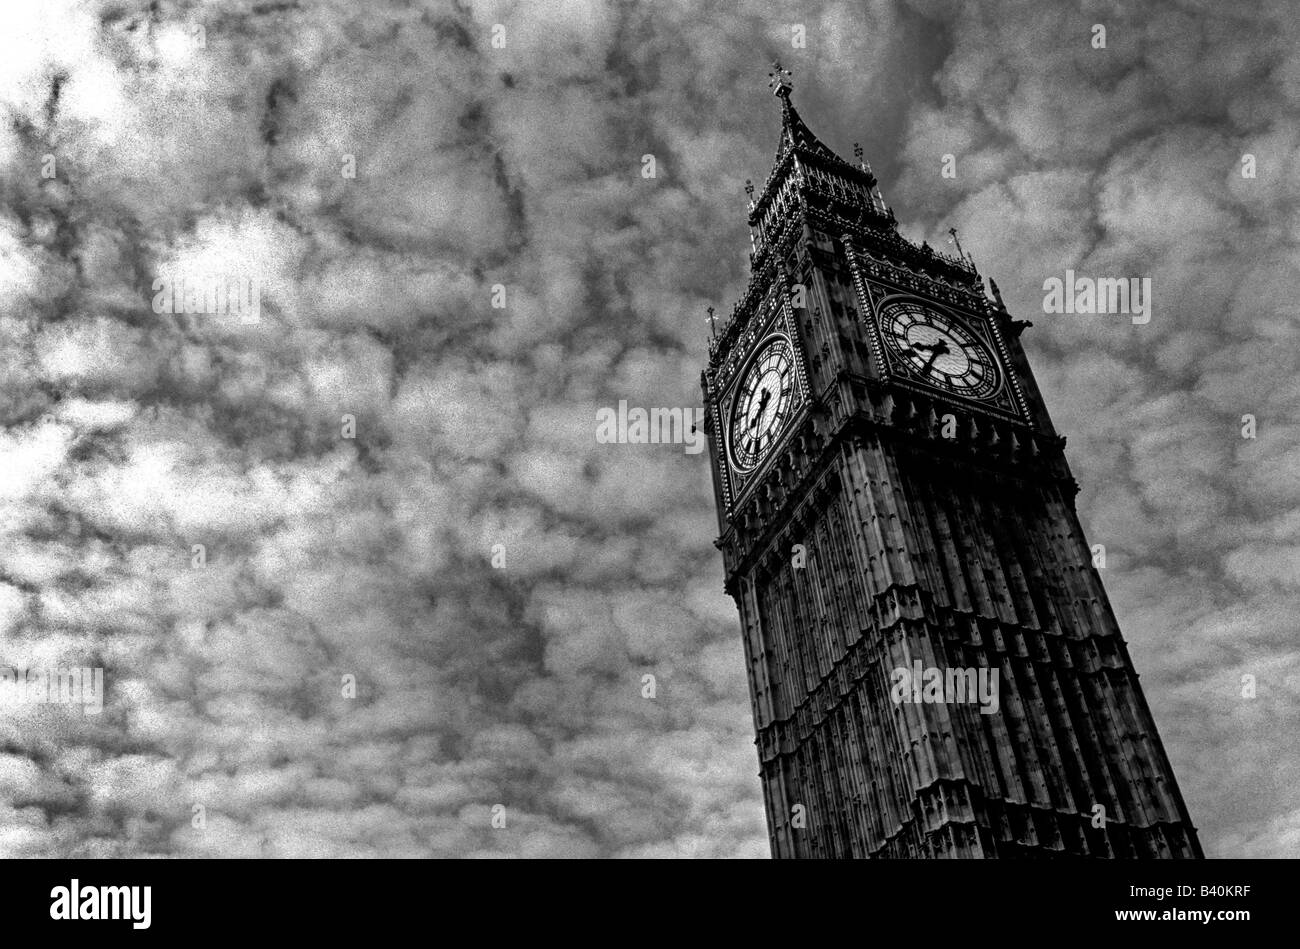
938	350
763	402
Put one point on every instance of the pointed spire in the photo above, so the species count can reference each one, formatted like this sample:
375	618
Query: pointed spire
794	132
802	156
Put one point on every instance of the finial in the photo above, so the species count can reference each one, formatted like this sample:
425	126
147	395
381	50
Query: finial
779	80
862	161
997	294
749	193
953	232
712	323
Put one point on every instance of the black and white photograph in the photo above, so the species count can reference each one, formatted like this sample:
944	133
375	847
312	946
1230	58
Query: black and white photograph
644	430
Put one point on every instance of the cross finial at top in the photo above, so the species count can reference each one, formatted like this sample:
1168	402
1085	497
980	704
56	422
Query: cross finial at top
955	241
778	80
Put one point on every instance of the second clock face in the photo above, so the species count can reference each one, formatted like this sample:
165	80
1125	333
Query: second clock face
939	350
763	403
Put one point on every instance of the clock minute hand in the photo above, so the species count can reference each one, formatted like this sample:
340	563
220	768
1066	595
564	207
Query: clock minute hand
762	404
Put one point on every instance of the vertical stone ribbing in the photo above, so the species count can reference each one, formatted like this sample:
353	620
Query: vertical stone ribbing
912	559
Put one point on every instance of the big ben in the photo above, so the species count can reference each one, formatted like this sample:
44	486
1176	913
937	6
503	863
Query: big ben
894	504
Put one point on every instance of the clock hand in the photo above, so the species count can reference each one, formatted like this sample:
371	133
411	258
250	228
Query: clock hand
938	349
762	404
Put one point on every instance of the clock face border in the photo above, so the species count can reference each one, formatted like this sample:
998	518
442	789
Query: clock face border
930	329
781	423
875	294
773	316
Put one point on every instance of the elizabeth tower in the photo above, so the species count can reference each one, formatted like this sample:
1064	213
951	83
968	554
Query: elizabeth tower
892	496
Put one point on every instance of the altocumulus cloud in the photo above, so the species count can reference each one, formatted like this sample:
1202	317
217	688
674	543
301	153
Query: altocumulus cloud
130	436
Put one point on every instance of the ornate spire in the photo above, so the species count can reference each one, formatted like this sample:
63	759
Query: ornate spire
795	134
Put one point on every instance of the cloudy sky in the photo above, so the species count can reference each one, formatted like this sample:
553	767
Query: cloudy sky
136	145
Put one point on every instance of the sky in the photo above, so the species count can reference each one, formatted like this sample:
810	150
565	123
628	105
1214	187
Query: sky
427	597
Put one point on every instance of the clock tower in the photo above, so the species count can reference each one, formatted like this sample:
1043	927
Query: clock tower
934	666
